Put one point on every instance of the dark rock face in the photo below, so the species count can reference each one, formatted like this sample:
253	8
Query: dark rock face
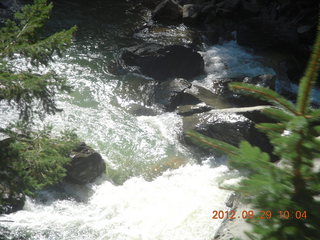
265	34
190	12
231	128
149	3
12	197
221	88
168	10
172	94
163	62
86	165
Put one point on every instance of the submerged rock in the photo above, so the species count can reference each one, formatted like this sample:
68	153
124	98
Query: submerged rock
162	62
86	165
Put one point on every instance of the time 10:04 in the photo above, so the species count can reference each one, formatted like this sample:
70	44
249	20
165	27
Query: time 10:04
263	214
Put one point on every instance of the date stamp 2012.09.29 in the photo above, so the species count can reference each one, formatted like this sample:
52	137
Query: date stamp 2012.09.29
263	214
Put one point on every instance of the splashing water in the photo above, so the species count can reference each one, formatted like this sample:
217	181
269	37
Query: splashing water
148	202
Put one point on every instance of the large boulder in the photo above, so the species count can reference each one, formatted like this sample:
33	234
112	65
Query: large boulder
86	165
162	62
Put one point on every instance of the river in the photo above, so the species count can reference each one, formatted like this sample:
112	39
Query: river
132	201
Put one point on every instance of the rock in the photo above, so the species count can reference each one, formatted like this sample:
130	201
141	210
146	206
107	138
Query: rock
172	35
86	165
168	163
220	29
13	5
220	87
220	19
260	33
150	3
251	6
139	110
190	12
168	10
171	94
231	128
229	5
12	197
162	62
7	233
208	97
233	200
304	29
188	110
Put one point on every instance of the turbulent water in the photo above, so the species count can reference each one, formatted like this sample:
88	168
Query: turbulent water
136	199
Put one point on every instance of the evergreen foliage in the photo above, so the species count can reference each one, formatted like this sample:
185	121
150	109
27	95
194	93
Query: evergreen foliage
37	158
293	185
29	159
24	37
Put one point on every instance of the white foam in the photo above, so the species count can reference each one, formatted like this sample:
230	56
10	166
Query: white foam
230	60
177	205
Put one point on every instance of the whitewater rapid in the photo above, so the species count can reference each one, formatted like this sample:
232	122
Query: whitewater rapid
131	203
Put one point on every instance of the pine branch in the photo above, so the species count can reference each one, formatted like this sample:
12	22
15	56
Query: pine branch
264	94
277	114
309	78
213	143
265	127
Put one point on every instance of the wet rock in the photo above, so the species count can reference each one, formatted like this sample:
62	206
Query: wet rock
150	3
229	127
12	197
260	33
233	200
190	12
169	163
139	110
162	62
220	29
229	5
13	5
86	165
188	110
220	87
171	94
169	35
168	10
208	97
